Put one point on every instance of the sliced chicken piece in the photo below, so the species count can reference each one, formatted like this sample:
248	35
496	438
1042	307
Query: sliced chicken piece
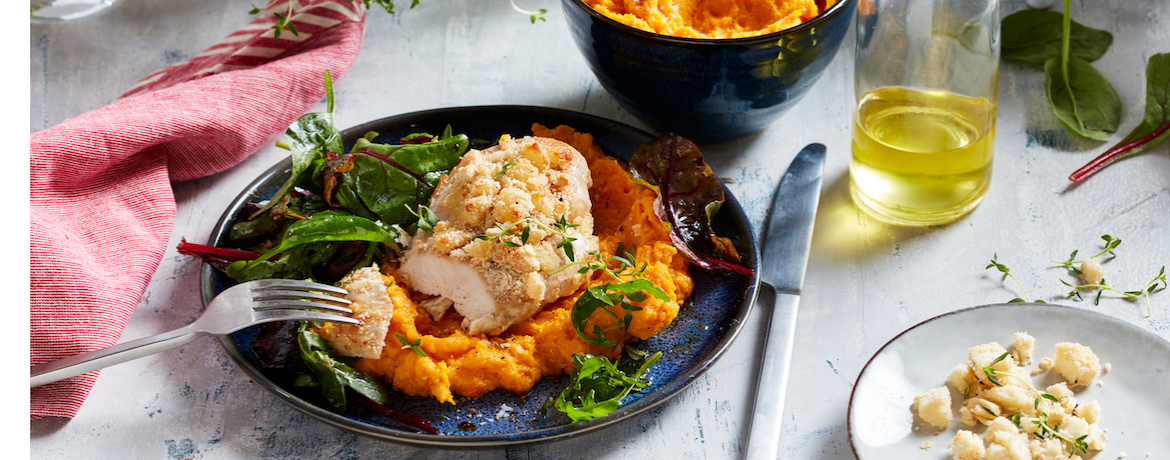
373	306
531	182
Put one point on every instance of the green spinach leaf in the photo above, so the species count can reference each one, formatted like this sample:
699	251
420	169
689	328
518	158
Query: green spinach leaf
333	375
1034	36
1082	98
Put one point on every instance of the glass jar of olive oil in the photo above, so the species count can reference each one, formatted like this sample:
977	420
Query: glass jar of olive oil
926	78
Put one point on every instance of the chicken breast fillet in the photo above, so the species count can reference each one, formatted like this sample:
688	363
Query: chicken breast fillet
493	277
373	306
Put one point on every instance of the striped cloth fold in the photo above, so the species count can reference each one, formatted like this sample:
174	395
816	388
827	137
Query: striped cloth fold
102	207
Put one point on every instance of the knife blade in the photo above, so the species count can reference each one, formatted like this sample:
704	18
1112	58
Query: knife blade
783	260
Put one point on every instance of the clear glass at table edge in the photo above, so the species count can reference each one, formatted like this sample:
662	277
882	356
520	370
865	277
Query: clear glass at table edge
926	77
48	11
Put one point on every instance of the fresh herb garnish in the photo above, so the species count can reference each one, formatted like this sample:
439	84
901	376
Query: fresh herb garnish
504	169
993	376
1111	243
1103	286
597	385
524	226
1048	431
619	293
1007	273
412	346
427	220
1155	125
532	15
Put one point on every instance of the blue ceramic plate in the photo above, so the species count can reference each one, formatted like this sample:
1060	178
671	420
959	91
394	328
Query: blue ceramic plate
703	331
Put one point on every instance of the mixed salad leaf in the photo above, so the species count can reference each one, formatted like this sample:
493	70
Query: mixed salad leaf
597	385
689	196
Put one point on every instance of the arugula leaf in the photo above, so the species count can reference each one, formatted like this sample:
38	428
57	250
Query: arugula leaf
1154	127
608	295
333	375
597	386
689	197
1034	36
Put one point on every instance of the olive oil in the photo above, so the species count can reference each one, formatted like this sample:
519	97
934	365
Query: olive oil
921	157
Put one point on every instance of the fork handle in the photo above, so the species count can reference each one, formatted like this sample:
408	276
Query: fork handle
91	361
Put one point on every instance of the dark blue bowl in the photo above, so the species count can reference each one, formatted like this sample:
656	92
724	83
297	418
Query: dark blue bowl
709	90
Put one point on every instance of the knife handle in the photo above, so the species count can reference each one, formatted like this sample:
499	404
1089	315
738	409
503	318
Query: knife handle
772	385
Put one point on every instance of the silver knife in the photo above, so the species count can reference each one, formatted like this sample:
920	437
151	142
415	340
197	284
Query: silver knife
782	263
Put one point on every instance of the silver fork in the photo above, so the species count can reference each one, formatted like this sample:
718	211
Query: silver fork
239	306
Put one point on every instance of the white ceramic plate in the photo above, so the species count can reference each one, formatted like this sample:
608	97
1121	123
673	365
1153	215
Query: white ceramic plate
1134	395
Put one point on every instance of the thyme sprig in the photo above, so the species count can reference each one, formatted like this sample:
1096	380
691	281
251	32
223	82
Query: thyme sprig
532	15
1007	273
1111	243
1102	287
521	229
411	345
1048	431
628	286
992	375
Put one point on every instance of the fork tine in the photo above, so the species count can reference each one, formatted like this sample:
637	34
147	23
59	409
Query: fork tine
302	315
279	284
293	304
296	295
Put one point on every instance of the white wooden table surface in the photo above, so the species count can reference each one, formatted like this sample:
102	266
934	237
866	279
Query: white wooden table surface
866	281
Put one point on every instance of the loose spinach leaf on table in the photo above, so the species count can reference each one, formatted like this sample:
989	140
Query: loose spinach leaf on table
1154	127
1034	36
1082	98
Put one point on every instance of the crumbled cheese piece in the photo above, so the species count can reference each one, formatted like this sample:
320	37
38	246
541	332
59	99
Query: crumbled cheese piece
1010	408
1022	346
504	411
1077	363
934	407
1092	272
967	446
1121	455
926	445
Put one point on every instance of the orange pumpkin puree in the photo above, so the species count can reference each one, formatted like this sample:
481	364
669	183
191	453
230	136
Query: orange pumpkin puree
708	18
460	364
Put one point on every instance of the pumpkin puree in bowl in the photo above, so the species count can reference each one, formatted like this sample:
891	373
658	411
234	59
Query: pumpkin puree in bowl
457	363
708	18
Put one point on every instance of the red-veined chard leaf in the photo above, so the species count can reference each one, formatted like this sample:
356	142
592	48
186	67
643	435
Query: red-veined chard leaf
689	196
1155	125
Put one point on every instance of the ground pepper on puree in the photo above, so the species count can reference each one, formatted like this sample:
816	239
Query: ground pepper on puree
708	18
457	363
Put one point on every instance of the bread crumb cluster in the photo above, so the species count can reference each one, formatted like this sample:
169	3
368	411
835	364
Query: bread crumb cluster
1022	422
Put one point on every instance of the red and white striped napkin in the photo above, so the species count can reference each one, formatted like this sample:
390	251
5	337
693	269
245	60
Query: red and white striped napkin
102	207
